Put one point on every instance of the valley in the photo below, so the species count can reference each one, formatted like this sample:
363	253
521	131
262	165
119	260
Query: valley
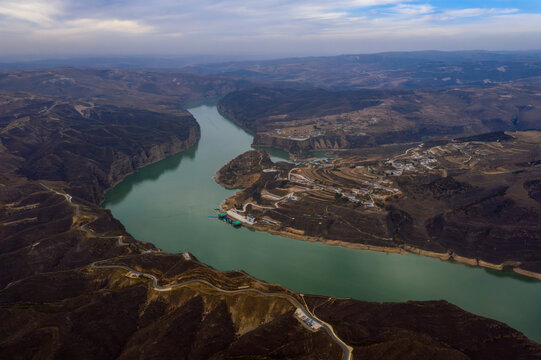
175	211
405	171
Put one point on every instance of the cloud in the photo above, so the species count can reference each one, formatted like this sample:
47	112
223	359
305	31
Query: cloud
36	11
279	26
104	25
473	12
37	18
412	10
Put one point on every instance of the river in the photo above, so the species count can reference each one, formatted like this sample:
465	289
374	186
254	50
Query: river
171	204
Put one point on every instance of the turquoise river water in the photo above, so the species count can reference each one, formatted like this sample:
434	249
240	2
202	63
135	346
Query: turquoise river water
169	204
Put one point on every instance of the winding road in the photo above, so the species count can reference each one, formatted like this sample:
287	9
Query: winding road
346	349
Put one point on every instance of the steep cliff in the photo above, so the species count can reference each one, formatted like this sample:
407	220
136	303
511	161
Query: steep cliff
299	121
92	149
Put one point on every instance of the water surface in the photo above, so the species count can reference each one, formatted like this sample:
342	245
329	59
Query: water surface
169	204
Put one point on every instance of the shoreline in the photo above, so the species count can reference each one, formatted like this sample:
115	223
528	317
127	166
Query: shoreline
125	175
407	249
385	249
403	249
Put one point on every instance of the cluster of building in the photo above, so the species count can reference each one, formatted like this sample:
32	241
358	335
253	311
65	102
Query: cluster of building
373	179
373	189
411	165
306	320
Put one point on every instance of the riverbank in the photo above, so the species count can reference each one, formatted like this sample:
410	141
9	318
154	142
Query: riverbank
157	153
298	236
333	203
402	249
169	204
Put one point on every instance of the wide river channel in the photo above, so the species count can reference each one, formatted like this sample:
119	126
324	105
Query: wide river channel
171	204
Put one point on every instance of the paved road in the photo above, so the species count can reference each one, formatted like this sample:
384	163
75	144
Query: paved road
328	328
67	196
78	213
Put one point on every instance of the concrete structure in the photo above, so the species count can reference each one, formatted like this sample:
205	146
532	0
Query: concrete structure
307	321
245	219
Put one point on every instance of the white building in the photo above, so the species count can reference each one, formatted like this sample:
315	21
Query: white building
311	323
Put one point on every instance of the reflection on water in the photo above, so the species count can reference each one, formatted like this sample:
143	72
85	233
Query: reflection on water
169	204
151	172
509	273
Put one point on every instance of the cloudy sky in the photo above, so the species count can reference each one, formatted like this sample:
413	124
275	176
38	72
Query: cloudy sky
264	28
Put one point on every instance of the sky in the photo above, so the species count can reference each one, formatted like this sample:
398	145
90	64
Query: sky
263	28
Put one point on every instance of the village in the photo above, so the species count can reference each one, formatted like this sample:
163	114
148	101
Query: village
369	184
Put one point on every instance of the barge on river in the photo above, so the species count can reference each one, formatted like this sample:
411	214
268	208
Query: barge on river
234	218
